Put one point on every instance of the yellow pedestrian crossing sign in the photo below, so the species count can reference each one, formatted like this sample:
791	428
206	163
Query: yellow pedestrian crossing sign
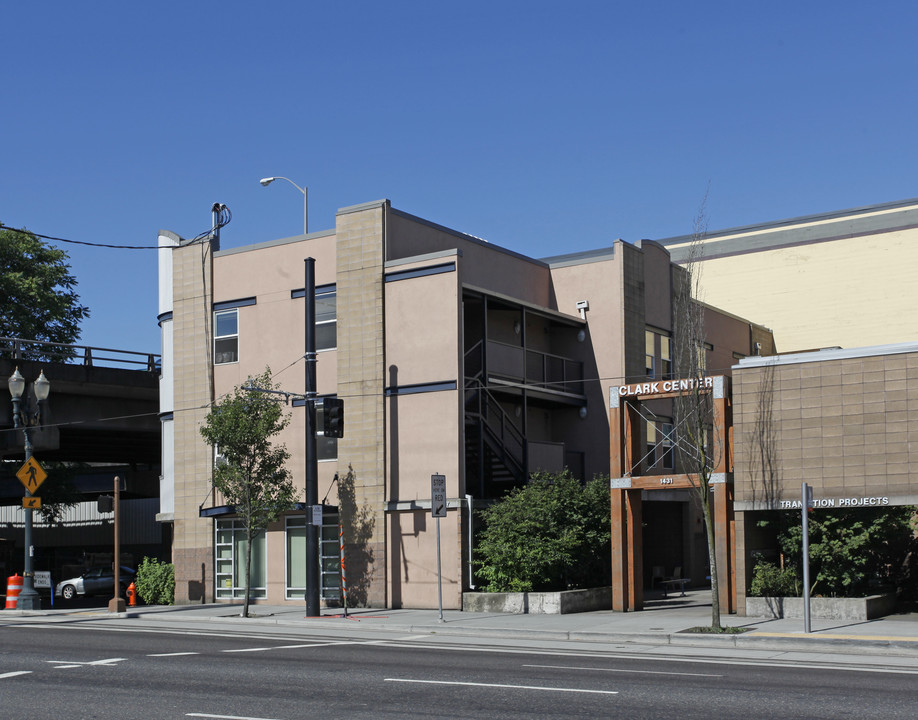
31	502
31	474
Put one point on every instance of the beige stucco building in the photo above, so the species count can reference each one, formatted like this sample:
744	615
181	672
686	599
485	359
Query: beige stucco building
452	355
839	279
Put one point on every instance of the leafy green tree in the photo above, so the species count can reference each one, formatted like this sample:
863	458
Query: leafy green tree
551	534
851	551
38	298
252	476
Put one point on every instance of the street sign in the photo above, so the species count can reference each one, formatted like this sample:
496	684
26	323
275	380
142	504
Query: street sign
42	578
316	518
32	502
31	474
438	496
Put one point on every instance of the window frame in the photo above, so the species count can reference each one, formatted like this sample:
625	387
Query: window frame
226	337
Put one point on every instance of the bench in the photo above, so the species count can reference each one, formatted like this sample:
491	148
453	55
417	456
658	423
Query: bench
675	583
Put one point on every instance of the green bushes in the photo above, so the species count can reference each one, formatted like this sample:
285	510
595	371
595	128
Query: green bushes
155	582
768	580
853	553
552	534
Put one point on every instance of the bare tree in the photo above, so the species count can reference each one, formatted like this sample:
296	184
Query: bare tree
698	447
762	439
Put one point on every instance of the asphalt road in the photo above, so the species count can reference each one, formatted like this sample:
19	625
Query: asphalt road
106	671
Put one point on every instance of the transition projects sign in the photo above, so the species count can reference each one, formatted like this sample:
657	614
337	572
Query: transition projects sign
842	502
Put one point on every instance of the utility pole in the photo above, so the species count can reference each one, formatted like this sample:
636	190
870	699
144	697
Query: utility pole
116	604
312	467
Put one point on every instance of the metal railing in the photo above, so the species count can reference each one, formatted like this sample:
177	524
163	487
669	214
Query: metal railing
23	349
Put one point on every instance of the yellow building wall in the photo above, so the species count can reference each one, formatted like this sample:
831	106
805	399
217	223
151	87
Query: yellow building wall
848	292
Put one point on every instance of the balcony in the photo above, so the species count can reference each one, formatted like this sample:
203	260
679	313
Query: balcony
542	375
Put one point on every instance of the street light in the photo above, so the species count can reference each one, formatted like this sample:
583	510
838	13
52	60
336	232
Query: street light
27	419
305	190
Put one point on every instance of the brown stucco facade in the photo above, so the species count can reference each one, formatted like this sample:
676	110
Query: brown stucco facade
453	356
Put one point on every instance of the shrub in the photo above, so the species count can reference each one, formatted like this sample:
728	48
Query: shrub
155	582
551	534
852	552
768	580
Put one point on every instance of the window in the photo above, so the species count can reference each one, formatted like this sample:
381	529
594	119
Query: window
326	447
326	317
226	336
659	454
650	353
230	549
666	357
329	556
658	356
703	350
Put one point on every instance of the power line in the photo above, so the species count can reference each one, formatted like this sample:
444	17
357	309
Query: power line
224	218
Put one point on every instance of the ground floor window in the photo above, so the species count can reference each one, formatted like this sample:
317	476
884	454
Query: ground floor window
231	552
329	557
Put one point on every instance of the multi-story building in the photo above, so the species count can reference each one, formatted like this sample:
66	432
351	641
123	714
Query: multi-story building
453	356
837	279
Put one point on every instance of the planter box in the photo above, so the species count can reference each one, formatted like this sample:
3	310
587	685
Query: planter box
865	608
541	603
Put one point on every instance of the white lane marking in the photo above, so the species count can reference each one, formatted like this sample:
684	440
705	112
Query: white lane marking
225	717
499	685
175	654
288	647
14	674
623	670
65	664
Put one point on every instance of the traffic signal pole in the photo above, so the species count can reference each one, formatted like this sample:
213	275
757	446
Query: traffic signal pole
312	466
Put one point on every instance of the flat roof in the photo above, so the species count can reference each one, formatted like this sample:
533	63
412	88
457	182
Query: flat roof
804	230
827	354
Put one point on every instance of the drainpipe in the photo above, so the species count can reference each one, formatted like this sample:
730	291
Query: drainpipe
468	499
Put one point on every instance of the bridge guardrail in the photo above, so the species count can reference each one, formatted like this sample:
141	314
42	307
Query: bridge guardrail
20	348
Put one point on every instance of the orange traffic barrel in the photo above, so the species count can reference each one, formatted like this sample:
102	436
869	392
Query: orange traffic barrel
13	588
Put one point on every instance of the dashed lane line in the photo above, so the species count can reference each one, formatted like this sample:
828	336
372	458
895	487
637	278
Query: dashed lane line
16	673
175	654
624	670
503	686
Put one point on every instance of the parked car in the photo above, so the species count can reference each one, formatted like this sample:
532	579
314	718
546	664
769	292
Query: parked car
95	581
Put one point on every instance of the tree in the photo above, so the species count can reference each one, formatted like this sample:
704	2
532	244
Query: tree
698	448
852	551
38	299
252	475
551	534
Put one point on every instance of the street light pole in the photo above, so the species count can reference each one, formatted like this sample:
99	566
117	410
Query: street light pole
305	190
22	418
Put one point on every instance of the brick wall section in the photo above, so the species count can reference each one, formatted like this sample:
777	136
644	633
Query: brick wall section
192	367
841	425
361	368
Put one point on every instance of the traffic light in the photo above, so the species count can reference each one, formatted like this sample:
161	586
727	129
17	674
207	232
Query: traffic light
333	417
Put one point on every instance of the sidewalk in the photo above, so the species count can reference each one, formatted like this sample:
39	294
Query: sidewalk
662	623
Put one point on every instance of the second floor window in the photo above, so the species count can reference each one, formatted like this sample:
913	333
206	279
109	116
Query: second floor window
658	354
226	337
326	318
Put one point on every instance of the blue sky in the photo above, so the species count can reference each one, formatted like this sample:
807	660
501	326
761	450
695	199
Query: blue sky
543	127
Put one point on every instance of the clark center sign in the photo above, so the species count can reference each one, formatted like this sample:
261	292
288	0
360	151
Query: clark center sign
665	386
